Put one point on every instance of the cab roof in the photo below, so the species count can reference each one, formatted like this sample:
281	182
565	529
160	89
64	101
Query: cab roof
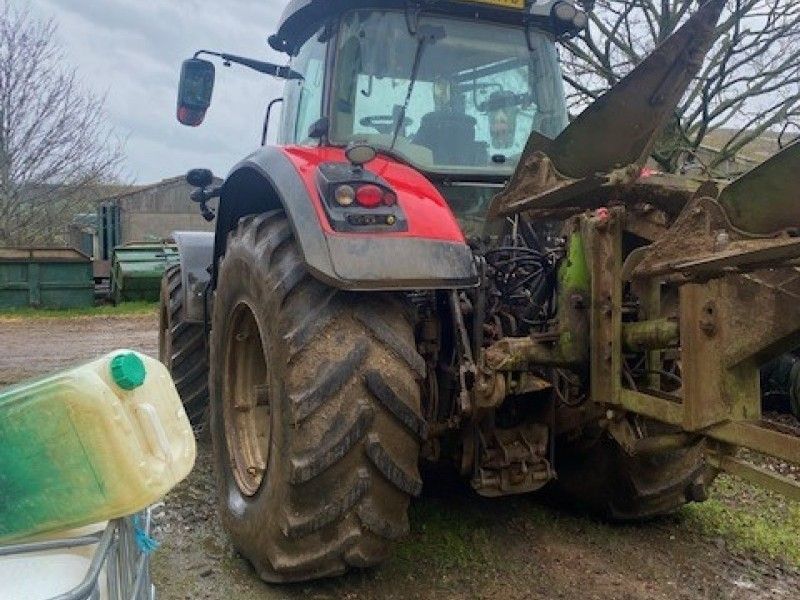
302	18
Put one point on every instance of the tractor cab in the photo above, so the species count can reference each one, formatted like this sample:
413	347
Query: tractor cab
451	88
448	93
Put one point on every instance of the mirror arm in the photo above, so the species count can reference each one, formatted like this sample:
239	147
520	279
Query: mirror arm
257	65
202	196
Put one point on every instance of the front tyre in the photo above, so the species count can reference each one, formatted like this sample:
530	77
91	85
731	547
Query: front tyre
315	414
182	349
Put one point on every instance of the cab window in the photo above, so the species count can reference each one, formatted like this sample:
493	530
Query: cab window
462	97
304	96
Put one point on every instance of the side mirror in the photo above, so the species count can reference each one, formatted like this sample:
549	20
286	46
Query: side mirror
200	178
195	90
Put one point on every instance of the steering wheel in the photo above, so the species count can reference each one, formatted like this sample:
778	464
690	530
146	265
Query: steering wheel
384	124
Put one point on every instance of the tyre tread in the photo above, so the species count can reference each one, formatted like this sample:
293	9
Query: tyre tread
188	360
340	507
390	469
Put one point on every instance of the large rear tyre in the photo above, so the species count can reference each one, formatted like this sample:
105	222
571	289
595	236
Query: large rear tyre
182	349
315	412
600	476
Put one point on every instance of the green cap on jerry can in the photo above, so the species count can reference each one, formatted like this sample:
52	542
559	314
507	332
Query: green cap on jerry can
128	370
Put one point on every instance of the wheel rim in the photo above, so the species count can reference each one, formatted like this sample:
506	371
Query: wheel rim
246	405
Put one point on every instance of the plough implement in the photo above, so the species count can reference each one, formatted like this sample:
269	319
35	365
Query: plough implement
711	269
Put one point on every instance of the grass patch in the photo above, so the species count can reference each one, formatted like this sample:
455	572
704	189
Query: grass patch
470	534
444	537
749	520
106	310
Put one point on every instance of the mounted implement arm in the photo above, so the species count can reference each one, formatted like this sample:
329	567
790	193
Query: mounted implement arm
705	294
739	307
706	305
607	145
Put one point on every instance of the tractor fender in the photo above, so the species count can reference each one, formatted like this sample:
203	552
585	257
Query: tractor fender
196	251
281	178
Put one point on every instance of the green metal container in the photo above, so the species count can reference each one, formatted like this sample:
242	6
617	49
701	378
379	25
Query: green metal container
45	278
137	269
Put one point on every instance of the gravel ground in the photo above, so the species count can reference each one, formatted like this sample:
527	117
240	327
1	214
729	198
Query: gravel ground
463	546
34	347
743	544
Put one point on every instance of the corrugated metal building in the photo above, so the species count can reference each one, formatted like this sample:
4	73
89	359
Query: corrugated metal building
152	212
147	213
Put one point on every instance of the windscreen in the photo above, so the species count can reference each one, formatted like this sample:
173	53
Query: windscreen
447	95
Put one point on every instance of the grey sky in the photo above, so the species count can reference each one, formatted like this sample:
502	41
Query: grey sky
131	50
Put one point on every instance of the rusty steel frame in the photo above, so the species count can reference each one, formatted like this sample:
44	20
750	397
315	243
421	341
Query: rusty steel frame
603	240
754	474
729	326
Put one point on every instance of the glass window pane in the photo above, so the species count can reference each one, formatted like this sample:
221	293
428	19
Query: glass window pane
465	102
303	98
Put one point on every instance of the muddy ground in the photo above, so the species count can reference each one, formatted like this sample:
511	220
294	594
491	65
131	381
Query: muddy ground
743	544
32	347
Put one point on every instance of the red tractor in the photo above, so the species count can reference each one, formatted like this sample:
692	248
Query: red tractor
434	265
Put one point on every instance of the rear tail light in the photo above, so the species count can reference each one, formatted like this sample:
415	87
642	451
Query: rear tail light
369	196
358	201
372	196
389	198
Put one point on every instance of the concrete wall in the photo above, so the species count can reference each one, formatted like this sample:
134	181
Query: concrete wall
156	211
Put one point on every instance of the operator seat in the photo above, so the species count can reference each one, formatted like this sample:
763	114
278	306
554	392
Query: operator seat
450	136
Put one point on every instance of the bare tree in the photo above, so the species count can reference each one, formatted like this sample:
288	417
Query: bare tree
55	144
749	84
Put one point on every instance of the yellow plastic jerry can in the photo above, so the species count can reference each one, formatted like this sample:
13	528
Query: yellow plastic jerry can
98	441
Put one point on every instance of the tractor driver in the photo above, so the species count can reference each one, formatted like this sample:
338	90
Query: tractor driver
448	131
503	109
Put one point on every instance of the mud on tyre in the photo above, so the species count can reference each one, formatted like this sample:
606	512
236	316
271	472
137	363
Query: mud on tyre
597	474
315	411
182	349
